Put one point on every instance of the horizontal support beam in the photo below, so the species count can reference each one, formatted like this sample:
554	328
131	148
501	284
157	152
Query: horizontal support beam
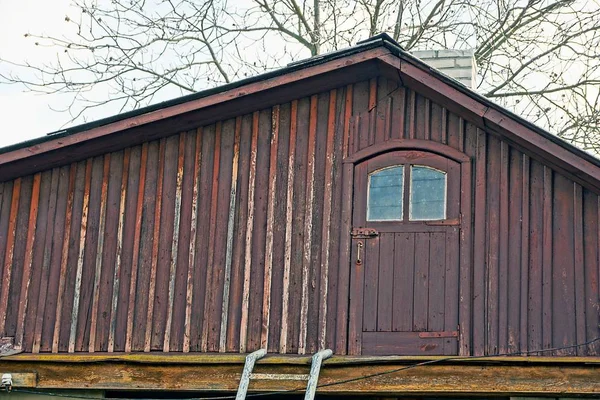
472	377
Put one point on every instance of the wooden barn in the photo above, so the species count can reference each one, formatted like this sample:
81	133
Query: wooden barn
360	201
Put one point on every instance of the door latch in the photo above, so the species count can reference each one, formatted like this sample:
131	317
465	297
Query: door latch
364	233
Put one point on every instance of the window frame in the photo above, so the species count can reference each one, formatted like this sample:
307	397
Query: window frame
408	159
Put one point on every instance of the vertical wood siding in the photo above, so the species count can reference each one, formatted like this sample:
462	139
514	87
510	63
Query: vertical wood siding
232	237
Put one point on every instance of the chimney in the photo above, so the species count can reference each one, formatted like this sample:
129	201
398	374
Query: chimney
457	64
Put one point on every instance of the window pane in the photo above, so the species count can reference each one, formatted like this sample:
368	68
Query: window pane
427	193
385	194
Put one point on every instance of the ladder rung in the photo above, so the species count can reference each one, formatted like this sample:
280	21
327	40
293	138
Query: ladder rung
280	377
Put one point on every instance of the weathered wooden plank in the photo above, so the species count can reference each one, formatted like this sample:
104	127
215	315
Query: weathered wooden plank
591	253
513	251
288	228
468	134
525	221
547	262
119	250
210	266
99	254
165	236
257	275
230	235
385	290
155	245
493	176
8	255
403	281
48	242
421	281
579	266
564	316
501	247
239	244
133	283
27	264
479	241
249	235
536	260
327	211
437	282
174	243
80	256
308	223
64	258
266	305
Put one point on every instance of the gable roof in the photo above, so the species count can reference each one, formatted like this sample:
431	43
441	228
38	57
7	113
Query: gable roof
56	148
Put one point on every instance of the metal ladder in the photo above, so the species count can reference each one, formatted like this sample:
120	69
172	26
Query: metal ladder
313	377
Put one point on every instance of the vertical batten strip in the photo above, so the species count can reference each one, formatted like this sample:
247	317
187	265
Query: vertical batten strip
264	336
210	289
347	116
155	243
64	259
48	239
136	247
341	328
249	230
8	256
372	110
192	254
308	223
117	272
80	256
327	205
525	256
174	243
27	263
289	210
230	226
579	263
99	253
547	266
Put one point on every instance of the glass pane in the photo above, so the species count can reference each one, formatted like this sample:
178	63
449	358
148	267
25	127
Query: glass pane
427	193
384	201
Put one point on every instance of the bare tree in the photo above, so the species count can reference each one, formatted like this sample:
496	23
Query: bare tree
537	57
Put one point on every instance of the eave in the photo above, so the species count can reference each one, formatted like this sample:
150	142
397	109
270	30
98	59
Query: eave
339	375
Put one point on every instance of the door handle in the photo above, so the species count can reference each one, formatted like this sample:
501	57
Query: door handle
359	247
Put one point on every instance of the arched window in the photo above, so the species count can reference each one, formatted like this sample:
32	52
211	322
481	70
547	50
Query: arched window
425	193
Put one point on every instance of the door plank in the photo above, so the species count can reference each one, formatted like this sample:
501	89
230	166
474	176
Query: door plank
386	282
371	266
403	343
437	275
402	308
421	291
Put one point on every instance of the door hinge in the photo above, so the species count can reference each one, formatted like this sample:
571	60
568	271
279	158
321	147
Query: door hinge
364	233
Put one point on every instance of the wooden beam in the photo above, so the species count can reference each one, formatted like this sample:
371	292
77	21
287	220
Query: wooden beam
340	375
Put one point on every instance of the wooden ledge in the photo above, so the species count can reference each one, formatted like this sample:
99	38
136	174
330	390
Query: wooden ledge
278	359
370	375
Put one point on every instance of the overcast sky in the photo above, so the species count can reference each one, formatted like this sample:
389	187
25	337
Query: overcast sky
27	115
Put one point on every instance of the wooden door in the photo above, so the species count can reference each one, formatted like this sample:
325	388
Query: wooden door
405	255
